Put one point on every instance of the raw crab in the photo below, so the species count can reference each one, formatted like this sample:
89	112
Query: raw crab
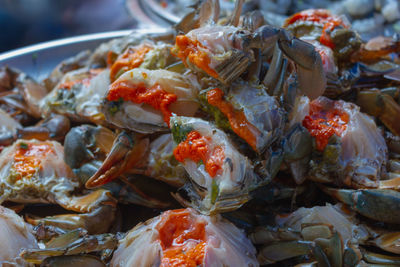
143	100
78	95
221	176
185	238
87	148
348	147
15	235
35	172
329	235
248	111
225	52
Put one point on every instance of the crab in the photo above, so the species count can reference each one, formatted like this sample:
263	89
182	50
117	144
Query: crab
338	143
69	247
20	95
94	151
225	52
35	172
15	235
327	235
143	100
248	111
187	238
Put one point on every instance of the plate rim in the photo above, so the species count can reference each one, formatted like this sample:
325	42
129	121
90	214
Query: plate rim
72	40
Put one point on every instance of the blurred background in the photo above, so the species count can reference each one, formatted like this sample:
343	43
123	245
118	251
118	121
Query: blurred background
25	22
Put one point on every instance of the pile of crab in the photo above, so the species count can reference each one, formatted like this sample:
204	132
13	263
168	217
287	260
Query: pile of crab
241	143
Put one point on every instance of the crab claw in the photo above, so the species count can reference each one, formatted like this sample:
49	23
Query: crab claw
64	250
54	128
96	212
204	11
310	71
377	204
125	153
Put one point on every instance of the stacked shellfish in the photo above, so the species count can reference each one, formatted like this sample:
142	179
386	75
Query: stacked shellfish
259	144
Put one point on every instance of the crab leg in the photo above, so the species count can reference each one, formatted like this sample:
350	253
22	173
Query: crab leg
200	15
274	78
377	204
71	243
97	213
235	17
311	76
125	153
54	128
381	105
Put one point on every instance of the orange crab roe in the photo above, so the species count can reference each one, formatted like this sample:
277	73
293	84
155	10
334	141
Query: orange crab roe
322	123
189	49
196	148
154	96
321	16
237	120
85	81
130	59
182	239
28	158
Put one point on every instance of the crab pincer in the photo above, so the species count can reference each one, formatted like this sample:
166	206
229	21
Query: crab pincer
377	204
126	151
225	53
35	172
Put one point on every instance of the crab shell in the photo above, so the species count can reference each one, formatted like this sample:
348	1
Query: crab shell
81	102
229	188
52	179
217	42
363	151
161	163
261	110
8	126
143	118
15	235
226	245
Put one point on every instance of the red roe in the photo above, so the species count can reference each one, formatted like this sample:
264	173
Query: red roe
322	123
237	120
321	16
196	148
182	239
28	158
185	48
154	96
130	59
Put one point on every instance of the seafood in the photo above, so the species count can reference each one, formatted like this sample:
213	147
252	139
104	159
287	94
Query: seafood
349	149
225	52
221	176
78	95
35	172
243	124
143	100
87	147
15	235
329	234
248	111
20	96
8	129
69	246
186	238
